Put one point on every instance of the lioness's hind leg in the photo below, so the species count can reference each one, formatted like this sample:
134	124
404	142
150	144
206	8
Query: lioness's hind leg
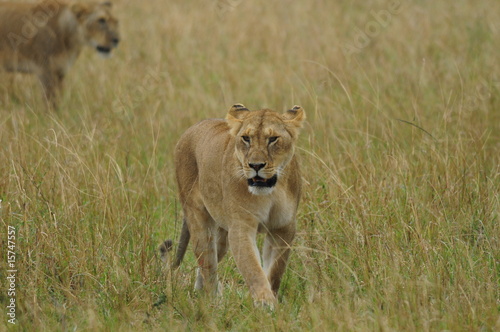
203	238
276	252
222	246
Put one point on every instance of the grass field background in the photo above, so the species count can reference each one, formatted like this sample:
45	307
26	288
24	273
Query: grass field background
398	228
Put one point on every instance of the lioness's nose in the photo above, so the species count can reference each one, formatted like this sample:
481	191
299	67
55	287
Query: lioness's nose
257	166
115	41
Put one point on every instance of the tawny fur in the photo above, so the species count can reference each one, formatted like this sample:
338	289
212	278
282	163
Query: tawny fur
45	38
213	164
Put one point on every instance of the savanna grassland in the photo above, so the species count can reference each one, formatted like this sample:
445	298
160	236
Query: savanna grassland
398	228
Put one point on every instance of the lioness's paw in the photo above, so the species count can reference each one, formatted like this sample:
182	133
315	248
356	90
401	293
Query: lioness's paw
265	299
271	306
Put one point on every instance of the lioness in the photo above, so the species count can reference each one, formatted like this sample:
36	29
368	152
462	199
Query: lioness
45	38
238	177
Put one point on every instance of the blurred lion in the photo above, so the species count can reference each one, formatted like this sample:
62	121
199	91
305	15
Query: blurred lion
45	38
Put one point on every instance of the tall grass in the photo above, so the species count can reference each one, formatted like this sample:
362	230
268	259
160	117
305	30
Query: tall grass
399	221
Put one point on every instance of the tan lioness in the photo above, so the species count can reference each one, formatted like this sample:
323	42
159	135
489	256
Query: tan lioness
45	38
238	177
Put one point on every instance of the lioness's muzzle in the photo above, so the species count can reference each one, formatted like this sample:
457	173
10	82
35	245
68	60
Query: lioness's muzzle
257	181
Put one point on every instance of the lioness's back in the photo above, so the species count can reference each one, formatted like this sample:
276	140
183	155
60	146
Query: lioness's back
208	132
208	137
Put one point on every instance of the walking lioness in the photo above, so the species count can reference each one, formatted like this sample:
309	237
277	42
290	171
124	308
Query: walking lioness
45	38
238	177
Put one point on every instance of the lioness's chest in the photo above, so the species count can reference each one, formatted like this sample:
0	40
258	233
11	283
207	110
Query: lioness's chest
269	212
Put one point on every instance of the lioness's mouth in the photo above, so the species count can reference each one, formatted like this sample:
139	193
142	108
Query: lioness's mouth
257	181
103	49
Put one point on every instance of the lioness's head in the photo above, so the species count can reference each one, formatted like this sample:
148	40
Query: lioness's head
265	143
100	28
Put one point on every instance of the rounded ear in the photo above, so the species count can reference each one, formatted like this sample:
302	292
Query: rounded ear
80	10
237	111
294	117
235	117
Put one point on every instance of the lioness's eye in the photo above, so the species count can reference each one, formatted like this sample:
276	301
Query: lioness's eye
102	21
245	139
273	139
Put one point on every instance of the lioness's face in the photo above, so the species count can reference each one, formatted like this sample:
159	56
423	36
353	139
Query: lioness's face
264	144
100	27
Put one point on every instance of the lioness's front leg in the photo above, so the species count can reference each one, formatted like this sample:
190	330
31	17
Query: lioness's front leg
276	252
52	85
246	255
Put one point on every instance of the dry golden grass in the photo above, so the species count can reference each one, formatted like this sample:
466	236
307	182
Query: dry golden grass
399	222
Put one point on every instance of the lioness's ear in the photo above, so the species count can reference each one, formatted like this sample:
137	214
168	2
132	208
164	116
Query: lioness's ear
80	10
294	117
235	117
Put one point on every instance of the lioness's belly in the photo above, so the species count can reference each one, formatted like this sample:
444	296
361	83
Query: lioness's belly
14	65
